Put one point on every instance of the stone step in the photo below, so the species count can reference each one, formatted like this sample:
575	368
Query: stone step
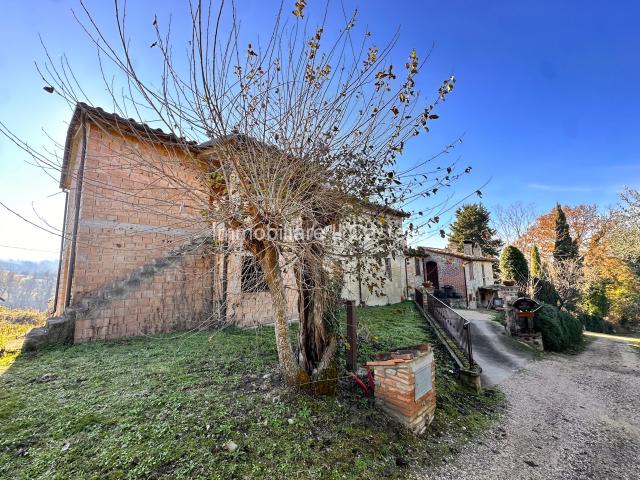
35	339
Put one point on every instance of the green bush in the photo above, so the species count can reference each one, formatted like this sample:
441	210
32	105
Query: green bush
560	330
513	265
595	323
571	329
547	323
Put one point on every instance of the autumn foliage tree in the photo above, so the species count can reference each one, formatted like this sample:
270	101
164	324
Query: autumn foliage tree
612	282
623	230
583	221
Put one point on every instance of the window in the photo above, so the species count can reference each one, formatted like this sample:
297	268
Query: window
471	271
418	265
484	278
387	266
252	276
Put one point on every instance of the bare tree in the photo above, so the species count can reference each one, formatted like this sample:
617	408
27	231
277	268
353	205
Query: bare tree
295	136
623	232
512	223
567	278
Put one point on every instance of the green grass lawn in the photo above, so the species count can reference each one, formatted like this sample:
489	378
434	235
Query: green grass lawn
165	406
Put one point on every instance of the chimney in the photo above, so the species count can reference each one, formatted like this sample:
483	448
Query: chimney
468	247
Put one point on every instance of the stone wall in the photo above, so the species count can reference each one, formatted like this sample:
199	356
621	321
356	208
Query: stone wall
395	286
479	274
393	290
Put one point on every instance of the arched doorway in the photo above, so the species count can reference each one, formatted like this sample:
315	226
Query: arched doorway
431	273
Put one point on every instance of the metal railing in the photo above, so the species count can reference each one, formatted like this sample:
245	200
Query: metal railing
457	328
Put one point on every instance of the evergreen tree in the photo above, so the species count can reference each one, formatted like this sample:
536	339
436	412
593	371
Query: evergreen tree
540	288
513	265
536	266
565	247
472	224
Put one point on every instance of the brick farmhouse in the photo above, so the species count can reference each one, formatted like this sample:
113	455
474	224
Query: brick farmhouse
464	279
136	253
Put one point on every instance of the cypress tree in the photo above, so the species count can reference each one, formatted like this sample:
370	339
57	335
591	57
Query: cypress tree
564	248
536	267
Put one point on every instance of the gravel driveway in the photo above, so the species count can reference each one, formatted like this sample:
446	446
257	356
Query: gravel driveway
569	417
499	355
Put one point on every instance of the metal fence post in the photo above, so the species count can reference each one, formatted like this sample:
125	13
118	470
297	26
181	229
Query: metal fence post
352	336
469	345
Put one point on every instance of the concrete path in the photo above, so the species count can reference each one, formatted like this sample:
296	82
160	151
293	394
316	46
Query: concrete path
568	417
499	355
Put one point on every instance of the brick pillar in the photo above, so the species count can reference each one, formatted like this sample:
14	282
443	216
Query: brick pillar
405	385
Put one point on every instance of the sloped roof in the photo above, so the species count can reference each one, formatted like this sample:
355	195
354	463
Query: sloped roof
157	135
124	125
444	251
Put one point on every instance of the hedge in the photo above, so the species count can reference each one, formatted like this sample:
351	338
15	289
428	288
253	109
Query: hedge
595	323
560	330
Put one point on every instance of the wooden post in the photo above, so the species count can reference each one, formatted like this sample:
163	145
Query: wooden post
352	336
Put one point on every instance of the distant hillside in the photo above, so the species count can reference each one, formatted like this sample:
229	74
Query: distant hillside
25	267
25	284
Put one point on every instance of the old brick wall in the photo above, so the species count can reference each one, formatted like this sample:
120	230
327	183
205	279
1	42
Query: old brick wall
450	271
130	215
248	309
132	212
68	228
177	297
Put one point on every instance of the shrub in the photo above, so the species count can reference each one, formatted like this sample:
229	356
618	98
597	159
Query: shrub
571	329
547	323
560	330
595	323
513	265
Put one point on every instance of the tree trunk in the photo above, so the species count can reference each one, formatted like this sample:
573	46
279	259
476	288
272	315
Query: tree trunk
317	345
315	369
269	259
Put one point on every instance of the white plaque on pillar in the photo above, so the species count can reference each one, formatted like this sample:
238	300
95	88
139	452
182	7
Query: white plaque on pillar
423	380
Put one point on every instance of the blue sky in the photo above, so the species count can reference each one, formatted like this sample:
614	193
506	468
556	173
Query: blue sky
547	95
